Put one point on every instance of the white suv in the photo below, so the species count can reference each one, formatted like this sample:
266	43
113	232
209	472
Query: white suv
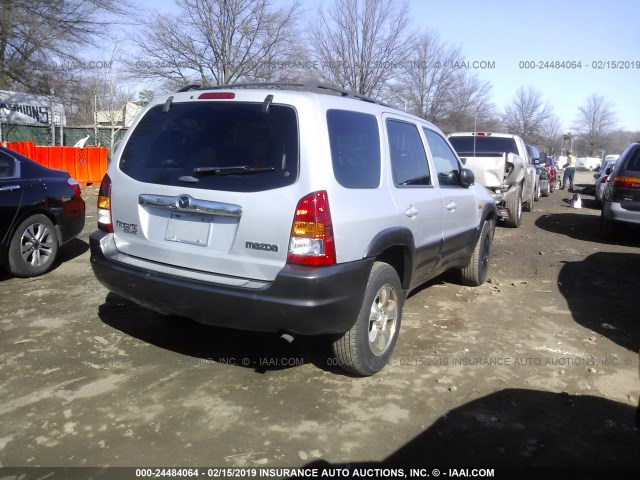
281	210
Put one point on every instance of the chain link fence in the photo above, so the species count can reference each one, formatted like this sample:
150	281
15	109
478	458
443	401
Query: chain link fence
41	135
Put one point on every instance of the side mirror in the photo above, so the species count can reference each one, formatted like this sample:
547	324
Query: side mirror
608	171
467	178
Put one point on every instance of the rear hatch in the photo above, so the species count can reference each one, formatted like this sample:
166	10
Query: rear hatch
487	157
203	187
626	182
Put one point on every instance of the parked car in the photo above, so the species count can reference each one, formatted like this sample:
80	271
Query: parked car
534	158
621	198
267	208
40	210
500	162
588	163
548	175
601	179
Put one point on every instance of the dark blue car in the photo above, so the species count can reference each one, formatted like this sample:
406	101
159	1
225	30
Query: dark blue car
40	210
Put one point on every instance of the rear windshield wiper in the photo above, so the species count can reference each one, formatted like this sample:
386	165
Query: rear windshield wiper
236	170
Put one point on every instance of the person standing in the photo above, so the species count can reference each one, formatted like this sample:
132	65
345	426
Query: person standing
569	172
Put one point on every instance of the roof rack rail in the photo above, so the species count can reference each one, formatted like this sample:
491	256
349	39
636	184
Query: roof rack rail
191	86
307	86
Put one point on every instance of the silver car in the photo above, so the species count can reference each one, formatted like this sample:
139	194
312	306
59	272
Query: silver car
621	198
289	210
601	178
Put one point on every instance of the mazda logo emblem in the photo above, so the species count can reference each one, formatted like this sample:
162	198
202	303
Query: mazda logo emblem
183	202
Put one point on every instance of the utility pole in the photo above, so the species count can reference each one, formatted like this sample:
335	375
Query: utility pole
51	120
95	120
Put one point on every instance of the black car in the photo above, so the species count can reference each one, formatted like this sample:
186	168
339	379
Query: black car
40	210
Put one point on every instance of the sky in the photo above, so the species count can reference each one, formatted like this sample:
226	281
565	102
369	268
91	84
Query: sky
599	34
593	32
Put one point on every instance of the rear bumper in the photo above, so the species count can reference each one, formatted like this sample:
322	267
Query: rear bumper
627	212
71	218
301	300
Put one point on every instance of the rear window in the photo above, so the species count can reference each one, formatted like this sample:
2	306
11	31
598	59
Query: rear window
634	162
483	145
228	146
355	148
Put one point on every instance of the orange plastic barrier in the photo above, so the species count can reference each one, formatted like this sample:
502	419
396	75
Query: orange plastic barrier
87	165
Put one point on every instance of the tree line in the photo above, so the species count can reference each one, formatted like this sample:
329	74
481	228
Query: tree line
366	46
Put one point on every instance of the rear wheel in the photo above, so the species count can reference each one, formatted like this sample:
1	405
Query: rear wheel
546	190
528	205
34	247
367	347
476	272
514	204
538	192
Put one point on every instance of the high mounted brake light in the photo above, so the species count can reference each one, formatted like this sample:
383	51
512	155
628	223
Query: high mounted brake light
104	205
217	96
312	241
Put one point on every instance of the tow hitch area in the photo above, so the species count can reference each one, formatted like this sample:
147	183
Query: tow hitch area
503	212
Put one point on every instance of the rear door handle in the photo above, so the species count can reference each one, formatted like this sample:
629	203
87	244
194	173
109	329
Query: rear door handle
411	211
452	206
9	188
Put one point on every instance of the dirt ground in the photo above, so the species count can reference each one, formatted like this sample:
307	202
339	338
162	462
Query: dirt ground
538	367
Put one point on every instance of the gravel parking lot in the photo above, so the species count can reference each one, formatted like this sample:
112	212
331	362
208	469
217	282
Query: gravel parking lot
538	367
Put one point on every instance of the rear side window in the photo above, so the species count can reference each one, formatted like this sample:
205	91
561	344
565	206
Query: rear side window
476	146
7	165
408	159
355	148
228	146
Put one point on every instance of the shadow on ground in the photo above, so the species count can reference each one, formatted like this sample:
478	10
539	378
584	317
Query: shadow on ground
586	227
523	429
71	250
261	352
602	294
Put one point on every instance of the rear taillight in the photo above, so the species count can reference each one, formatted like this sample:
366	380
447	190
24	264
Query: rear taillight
312	242
73	184
627	182
104	205
604	179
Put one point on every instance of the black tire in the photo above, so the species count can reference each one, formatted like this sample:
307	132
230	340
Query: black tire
477	271
546	191
538	192
514	204
528	205
354	351
34	247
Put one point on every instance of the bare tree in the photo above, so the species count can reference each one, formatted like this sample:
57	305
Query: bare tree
215	42
551	130
618	140
37	38
360	43
426	78
526	114
596	118
470	107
